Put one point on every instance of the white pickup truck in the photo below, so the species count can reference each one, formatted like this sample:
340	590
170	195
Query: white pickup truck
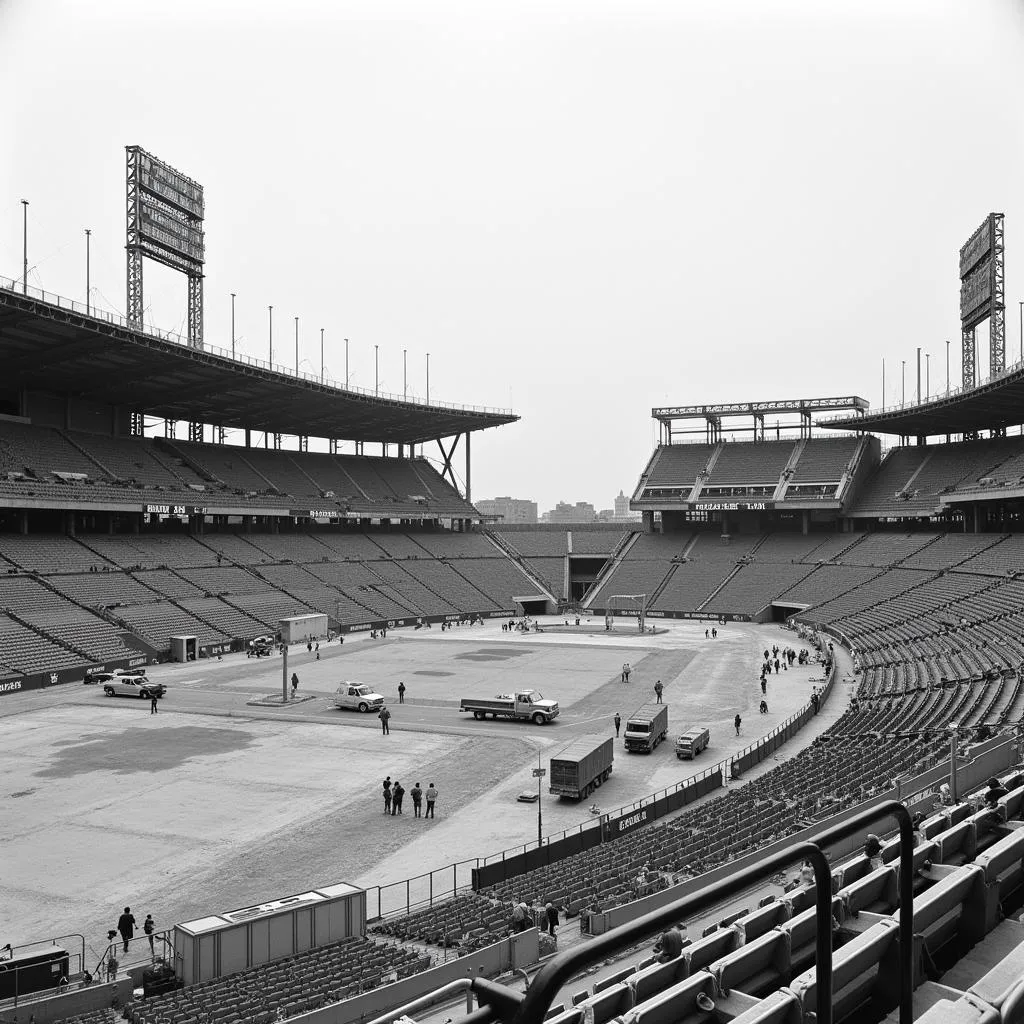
526	704
358	697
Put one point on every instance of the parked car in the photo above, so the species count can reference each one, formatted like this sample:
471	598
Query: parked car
133	686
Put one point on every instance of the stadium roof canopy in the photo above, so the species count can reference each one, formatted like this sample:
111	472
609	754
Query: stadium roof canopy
49	343
993	405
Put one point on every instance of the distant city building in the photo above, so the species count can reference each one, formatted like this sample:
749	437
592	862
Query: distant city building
563	512
606	515
511	510
622	512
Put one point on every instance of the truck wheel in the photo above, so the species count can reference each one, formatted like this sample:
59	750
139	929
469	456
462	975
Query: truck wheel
108	690
363	707
538	719
479	715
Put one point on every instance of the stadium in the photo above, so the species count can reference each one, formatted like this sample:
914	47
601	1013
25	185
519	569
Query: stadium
878	595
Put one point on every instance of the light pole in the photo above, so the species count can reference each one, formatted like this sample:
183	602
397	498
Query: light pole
24	246
232	325
321	356
88	290
539	774
376	374
428	378
270	312
296	346
405	376
903	392
346	362
947	366
1021	304
927	375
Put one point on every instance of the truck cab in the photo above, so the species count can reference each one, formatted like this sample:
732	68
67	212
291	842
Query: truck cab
690	743
358	697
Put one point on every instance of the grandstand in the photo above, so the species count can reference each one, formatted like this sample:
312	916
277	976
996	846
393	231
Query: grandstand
113	542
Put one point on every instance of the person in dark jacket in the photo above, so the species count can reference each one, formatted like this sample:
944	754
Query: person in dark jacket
669	946
387	795
397	792
126	926
551	913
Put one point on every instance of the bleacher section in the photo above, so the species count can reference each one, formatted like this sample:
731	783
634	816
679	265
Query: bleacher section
910	480
287	987
78	466
742	464
678	465
756	965
824	460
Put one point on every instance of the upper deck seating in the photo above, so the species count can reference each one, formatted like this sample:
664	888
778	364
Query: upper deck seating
760	462
910	480
824	460
226	464
678	464
134	460
41	452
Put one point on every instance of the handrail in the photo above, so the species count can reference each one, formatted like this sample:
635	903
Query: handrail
115	320
557	971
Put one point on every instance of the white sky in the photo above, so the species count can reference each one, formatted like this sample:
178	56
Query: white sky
580	209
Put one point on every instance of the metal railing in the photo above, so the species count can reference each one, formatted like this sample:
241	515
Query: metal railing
501	1003
930	400
116	320
76	965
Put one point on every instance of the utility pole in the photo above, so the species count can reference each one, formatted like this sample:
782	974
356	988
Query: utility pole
927	375
883	382
232	325
947	366
903	392
88	289
918	374
405	376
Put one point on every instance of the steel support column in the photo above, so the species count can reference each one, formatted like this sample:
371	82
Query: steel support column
469	472
968	356
195	311
447	472
133	289
997	323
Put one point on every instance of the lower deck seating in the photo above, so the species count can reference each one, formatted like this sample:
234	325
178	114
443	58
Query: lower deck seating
285	988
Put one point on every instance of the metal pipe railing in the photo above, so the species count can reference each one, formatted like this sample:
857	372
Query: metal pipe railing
561	968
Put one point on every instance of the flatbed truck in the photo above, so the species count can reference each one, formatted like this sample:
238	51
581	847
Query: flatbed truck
525	704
